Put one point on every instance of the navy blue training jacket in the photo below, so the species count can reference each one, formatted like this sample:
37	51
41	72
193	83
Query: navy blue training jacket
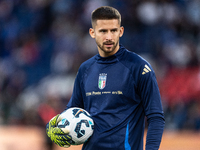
119	91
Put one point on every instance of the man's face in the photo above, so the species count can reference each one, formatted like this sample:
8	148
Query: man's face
107	34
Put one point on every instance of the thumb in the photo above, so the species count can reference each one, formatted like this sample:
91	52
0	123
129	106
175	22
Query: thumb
65	130
58	119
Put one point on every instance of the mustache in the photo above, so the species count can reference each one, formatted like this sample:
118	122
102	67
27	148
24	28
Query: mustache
108	42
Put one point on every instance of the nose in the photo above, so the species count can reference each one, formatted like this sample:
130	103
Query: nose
109	36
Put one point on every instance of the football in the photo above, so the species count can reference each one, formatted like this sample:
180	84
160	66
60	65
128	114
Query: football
79	123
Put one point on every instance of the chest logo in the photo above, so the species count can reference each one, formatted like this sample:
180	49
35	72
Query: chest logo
102	80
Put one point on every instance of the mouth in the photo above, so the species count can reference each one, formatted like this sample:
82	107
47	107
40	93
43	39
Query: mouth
108	44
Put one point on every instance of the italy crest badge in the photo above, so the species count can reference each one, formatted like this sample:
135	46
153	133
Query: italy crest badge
102	80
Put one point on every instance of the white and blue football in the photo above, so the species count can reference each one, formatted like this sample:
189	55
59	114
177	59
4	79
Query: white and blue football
79	123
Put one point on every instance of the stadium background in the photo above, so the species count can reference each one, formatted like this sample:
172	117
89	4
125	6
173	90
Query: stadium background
43	42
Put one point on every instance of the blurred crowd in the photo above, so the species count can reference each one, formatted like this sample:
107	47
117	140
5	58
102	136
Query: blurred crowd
43	43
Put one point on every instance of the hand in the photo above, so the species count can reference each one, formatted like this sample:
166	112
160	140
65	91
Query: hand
57	135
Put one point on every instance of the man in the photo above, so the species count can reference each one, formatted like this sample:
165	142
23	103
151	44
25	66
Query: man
118	88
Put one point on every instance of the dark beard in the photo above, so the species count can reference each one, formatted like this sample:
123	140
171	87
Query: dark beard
114	46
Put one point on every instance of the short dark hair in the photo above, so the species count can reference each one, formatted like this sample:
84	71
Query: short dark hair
105	12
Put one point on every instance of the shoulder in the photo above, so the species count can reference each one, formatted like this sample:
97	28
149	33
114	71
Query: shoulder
140	69
133	61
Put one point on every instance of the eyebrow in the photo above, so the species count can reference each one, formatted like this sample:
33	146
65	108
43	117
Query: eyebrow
114	29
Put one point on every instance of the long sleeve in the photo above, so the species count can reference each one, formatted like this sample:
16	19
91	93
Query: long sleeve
152	105
154	133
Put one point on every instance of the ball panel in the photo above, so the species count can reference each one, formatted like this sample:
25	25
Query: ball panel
79	123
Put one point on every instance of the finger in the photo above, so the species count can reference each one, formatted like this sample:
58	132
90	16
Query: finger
62	143
65	130
63	137
67	138
60	131
66	146
57	131
59	119
53	121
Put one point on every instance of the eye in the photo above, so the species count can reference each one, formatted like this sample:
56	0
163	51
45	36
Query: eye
102	31
114	30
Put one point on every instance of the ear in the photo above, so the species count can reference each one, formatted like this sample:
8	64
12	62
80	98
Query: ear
121	31
91	32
